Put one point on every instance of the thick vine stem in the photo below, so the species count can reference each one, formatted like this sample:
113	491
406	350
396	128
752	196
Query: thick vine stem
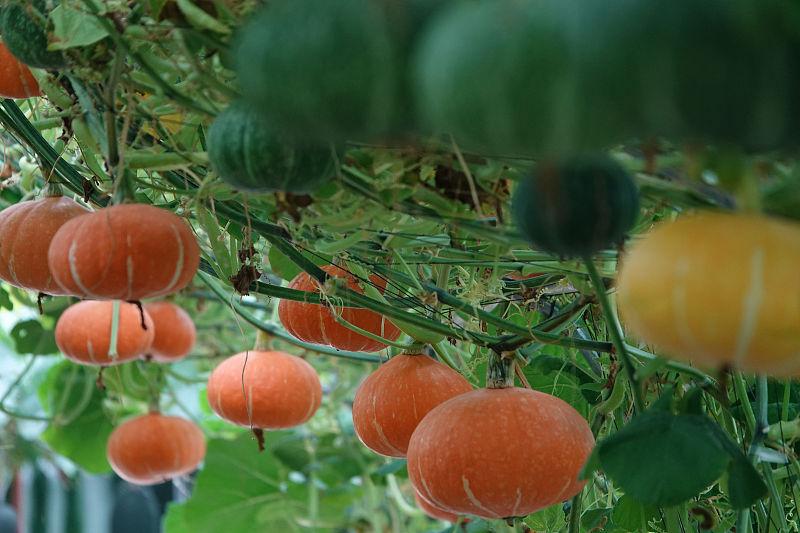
615	332
500	370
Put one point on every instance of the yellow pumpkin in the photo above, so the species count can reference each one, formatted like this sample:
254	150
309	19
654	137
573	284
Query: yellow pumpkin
718	290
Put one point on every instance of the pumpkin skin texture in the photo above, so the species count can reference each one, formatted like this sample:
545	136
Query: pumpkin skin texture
249	155
391	402
454	463
16	80
545	87
24	31
716	289
126	252
154	448
315	323
576	207
319	69
83	333
26	230
280	390
434	512
174	332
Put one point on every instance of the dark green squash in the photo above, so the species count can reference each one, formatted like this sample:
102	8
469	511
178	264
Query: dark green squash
23	26
320	69
523	77
575	207
248	155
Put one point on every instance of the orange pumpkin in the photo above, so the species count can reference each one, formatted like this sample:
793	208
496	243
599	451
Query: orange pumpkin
154	448
316	323
16	80
174	332
717	290
434	512
393	400
499	453
125	252
264	390
83	333
26	230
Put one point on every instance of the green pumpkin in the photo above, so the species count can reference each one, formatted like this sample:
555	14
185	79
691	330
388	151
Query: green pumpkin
718	71
320	69
575	207
23	25
522	78
248	155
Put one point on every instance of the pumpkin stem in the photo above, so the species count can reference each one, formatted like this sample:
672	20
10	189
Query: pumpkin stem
259	435
53	189
124	191
500	370
264	341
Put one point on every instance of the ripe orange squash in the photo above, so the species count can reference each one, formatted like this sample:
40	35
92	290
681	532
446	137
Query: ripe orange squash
174	332
499	453
26	230
16	80
434	512
154	448
316	323
717	290
125	252
264	390
393	400
83	333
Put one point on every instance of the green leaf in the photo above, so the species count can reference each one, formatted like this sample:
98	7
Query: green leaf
664	459
281	265
80	427
745	485
73	28
30	337
631	515
561	385
5	300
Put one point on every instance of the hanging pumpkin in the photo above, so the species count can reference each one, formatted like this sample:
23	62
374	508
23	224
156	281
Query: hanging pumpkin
154	448
83	333
577	206
393	400
316	323
717	290
126	252
264	390
26	230
174	332
499	452
16	80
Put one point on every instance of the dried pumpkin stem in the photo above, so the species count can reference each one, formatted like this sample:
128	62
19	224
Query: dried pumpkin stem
264	341
53	189
500	370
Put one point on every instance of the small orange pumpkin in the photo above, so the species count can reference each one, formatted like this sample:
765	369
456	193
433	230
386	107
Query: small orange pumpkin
264	390
154	448
174	332
26	230
393	400
434	512
316	323
16	80
125	252
499	453
83	333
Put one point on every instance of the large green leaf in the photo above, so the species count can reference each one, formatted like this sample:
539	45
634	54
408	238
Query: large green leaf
240	489
30	337
73	28
80	427
664	459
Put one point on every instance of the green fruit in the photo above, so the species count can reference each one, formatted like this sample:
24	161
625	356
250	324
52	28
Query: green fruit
320	69
248	155
577	206
718	71
23	25
522	77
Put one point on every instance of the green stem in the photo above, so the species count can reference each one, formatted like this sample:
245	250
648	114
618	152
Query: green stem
615	332
759	423
500	371
575	514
